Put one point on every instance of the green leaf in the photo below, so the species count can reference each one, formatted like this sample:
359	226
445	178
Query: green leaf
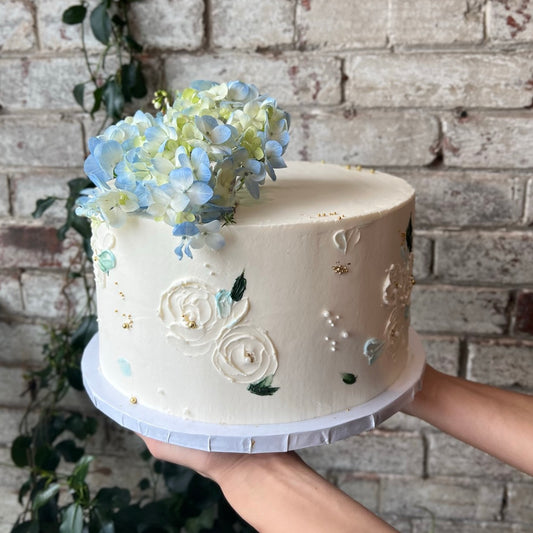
74	377
42	205
113	99
21	450
133	44
91	425
45	495
263	387
84	333
144	484
69	451
24	489
46	458
349	378
101	23
205	520
74	14
80	471
133	83
79	93
409	235
238	288
72	521
113	498
177	478
26	527
97	100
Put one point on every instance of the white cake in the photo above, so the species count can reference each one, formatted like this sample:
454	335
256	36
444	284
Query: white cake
304	312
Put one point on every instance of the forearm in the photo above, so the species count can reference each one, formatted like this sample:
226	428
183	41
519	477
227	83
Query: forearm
496	421
279	493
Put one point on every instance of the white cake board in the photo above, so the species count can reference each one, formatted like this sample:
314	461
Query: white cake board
252	438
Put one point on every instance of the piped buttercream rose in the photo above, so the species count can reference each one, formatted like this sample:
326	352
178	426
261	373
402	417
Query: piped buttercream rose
189	311
245	354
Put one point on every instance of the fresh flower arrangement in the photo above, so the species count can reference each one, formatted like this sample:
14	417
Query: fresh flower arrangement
188	165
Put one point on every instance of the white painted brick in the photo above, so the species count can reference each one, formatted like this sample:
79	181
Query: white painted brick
56	36
441	497
41	141
4	196
446	309
474	198
29	85
10	297
503	363
176	24
426	525
377	451
432	79
528	208
423	256
12	384
484	257
34	245
519	498
293	79
450	457
21	343
10	421
47	294
27	188
12	478
509	21
362	489
371	138
342	24
114	471
442	353
16	26
436	23
488	140
234	24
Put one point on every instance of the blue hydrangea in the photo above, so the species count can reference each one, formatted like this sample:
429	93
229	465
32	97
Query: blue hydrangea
187	166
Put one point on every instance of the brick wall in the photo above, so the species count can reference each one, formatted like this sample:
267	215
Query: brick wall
437	92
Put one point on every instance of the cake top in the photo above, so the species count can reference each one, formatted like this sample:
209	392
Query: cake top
317	192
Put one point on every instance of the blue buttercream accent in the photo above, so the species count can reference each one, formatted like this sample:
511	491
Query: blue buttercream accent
106	261
223	302
372	349
125	367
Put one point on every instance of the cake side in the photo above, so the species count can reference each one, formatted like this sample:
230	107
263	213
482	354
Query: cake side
303	313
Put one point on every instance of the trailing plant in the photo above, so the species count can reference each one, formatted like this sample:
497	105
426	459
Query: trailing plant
52	444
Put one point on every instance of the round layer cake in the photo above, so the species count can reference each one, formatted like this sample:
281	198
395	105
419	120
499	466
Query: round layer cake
303	313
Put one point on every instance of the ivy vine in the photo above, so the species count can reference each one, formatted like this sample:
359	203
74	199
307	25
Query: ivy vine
57	497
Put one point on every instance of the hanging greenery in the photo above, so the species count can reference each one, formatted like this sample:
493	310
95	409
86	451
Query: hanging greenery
56	497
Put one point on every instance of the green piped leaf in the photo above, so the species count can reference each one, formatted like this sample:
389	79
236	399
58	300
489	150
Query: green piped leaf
409	235
263	387
239	287
349	378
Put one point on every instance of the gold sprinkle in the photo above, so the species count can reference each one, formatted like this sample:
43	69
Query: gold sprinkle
133	400
250	357
372	171
116	282
95	258
116	310
191	324
359	167
348	167
341	269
